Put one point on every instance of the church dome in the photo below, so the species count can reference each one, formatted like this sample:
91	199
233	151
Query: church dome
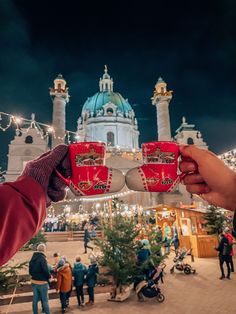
96	102
108	117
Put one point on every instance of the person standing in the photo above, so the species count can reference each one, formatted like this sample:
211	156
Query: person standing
230	238
39	272
91	279
144	252
87	238
224	250
167	243
64	283
79	272
175	241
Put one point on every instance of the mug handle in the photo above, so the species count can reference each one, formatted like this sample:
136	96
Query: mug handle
65	180
176	182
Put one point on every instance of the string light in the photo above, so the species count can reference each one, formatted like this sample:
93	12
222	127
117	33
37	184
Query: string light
97	199
23	125
229	158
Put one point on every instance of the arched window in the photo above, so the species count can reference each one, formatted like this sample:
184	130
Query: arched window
110	139
162	90
110	111
29	139
190	141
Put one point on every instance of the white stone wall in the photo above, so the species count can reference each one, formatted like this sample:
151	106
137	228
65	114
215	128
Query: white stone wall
125	134
183	136
20	153
163	120
59	120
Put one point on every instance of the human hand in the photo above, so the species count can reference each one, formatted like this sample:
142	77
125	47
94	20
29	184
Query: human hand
42	170
207	176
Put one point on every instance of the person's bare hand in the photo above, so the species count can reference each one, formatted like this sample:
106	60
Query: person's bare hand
207	176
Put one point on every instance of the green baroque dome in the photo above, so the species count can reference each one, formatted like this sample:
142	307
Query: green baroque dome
100	99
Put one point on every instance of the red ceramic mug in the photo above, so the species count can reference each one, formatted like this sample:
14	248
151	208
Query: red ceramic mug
159	171
89	175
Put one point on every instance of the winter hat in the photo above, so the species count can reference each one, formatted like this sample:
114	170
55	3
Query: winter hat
145	242
41	248
61	263
226	230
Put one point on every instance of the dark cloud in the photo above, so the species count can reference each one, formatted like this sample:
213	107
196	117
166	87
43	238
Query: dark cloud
192	45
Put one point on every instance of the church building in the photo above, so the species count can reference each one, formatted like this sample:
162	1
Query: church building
108	117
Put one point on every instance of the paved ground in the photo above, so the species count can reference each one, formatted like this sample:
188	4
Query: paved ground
194	294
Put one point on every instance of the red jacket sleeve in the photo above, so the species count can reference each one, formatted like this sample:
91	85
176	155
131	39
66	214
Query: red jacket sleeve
22	212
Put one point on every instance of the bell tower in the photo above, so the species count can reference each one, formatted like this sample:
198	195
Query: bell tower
60	97
161	99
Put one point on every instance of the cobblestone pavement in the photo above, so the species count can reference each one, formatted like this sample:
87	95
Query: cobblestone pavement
185	294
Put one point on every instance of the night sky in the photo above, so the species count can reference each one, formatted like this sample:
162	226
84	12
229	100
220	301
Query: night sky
191	44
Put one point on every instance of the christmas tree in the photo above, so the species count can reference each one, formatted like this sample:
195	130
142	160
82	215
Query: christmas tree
9	277
120	248
119	252
35	241
214	220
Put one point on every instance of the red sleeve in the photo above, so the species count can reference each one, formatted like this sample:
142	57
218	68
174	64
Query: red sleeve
22	212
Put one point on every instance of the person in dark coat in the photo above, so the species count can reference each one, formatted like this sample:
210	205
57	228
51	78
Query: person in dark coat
91	279
175	241
229	236
79	272
144	252
224	250
87	238
39	271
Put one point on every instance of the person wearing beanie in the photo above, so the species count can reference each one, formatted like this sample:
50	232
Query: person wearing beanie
39	272
224	249
230	238
79	272
23	202
64	283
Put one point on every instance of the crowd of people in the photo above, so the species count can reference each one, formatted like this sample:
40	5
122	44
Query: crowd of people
61	271
55	224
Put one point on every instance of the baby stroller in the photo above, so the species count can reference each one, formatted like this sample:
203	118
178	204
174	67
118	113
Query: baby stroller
149	287
179	263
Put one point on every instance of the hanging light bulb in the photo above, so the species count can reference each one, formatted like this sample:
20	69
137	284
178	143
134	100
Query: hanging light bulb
18	120
50	129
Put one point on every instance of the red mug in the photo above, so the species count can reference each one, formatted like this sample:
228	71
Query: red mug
89	176
159	171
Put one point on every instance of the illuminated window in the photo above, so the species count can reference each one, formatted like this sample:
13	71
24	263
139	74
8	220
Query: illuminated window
110	139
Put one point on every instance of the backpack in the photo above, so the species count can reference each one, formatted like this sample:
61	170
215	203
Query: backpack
227	248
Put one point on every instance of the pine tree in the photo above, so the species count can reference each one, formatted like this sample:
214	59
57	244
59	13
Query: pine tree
9	276
119	252
120	249
214	220
33	243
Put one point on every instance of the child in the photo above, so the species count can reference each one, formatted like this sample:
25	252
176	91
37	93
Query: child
64	283
79	272
91	278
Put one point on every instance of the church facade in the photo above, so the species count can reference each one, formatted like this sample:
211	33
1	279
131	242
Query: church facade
107	116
